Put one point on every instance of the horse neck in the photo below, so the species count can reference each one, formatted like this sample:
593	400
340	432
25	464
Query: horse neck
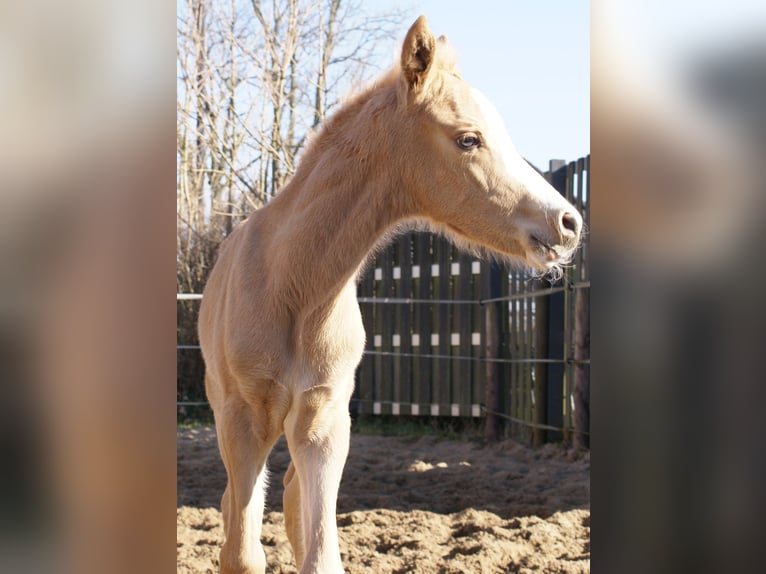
338	207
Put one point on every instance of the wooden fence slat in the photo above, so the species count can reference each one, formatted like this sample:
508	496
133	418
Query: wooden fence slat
377	322
396	312
581	369
584	251
387	311
454	330
556	326
567	422
404	323
514	351
377	335
477	327
542	324
529	330
423	316
464	329
506	369
441	384
492	280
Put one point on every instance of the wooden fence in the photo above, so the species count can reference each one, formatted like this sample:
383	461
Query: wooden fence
449	335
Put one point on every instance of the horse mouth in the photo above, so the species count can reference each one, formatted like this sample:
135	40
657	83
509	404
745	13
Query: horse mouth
549	253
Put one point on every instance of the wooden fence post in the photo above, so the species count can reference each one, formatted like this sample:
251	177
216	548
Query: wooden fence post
492	338
556	326
541	369
582	320
403	325
581	369
423	320
440	284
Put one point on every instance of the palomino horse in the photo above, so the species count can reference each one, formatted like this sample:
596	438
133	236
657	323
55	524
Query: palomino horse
280	326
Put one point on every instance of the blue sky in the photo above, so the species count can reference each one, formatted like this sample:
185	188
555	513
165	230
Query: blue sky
531	58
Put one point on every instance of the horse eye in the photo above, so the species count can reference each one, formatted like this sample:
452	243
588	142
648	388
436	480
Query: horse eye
468	141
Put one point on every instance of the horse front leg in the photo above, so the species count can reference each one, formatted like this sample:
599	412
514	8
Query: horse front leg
244	455
318	429
246	433
291	503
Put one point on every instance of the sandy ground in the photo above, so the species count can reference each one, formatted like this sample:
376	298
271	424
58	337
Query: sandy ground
422	504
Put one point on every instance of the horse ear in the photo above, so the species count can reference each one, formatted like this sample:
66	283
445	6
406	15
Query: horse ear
418	53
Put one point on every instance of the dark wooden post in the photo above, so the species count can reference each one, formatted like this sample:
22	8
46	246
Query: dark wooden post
492	338
403	386
582	322
462	286
442	367
386	394
423	313
581	369
555	350
541	369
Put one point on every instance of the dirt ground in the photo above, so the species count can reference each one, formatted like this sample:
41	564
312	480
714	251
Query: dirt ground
420	504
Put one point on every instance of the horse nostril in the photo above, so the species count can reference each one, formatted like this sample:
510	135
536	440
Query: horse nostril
569	223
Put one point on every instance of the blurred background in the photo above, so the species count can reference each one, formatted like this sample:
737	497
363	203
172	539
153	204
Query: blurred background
88	249
677	131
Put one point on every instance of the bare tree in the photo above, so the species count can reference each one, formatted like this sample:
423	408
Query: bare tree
254	78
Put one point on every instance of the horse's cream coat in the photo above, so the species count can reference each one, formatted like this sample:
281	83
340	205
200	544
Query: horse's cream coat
280	328
523	176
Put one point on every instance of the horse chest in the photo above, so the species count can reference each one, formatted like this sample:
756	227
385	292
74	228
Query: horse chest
334	342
